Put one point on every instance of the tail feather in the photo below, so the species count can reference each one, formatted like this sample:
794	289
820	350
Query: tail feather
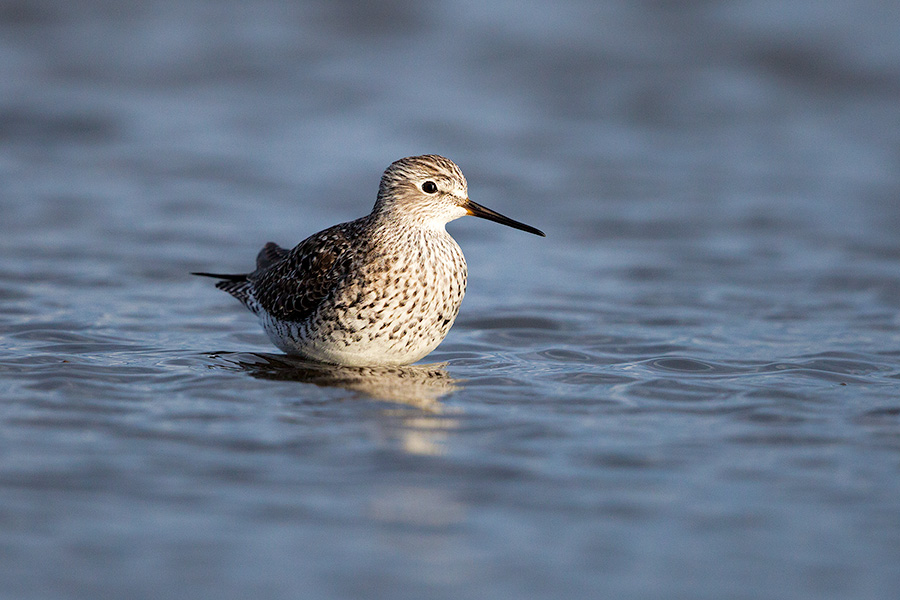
232	277
235	284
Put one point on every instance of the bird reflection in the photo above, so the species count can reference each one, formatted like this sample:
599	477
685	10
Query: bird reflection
423	431
420	386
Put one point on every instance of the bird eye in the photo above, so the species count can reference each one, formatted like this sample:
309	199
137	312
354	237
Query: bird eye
429	187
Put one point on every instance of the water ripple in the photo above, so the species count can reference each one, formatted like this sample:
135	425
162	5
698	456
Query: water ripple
688	389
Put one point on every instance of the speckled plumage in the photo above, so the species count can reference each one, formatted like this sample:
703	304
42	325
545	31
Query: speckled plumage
381	290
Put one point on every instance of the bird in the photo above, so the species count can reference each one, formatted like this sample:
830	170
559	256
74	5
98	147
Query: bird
382	290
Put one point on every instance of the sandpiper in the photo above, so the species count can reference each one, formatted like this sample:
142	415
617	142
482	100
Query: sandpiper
381	290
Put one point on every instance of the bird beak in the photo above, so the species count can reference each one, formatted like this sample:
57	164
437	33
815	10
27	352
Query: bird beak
477	210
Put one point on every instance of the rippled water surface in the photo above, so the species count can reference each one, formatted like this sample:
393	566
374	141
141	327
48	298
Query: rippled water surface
689	389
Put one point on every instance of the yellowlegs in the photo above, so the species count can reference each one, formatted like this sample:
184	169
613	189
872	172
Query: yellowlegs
381	290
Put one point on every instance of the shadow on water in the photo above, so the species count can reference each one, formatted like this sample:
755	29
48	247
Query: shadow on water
419	386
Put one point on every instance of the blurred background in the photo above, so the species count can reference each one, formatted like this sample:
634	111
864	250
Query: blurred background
687	390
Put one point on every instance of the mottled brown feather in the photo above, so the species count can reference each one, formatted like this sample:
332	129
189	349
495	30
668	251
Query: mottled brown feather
381	290
269	255
292	288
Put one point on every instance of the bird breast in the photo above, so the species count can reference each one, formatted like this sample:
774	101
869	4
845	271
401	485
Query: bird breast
409	290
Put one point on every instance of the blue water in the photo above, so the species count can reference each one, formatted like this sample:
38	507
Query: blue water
689	389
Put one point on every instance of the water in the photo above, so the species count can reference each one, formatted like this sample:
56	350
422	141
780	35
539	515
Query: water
687	390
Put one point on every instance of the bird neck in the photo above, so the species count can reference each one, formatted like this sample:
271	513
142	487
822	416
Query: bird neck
407	223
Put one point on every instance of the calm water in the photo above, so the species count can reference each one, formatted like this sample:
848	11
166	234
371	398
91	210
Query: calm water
689	389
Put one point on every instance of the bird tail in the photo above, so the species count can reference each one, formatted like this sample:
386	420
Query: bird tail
238	285
241	277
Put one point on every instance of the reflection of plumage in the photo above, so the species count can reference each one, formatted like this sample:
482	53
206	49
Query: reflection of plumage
421	386
381	290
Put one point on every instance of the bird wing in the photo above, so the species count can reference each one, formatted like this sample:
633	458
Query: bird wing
292	288
270	254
